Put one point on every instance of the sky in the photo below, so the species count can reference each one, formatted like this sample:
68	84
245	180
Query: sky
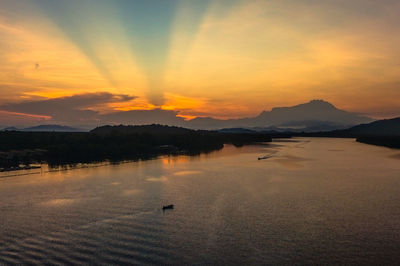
67	60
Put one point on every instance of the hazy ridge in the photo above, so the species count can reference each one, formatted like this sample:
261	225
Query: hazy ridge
316	115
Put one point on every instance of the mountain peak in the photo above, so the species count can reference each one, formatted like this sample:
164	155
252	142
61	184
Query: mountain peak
321	103
49	128
314	112
315	105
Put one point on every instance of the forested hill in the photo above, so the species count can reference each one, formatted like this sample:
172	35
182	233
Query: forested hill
384	132
386	127
112	143
154	129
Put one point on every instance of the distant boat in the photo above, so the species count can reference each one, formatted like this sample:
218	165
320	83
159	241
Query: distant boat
264	157
168	207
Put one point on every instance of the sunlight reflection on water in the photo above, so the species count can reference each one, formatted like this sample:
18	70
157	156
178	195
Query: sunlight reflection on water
313	201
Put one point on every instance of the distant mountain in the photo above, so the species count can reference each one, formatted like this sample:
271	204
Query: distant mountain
316	115
154	129
386	127
313	111
10	129
51	128
238	130
382	133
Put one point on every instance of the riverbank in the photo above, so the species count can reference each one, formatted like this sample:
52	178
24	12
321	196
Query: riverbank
386	141
112	143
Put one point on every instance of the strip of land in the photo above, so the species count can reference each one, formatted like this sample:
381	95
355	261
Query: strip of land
112	143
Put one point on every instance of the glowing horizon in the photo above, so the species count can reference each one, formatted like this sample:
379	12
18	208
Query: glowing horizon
224	59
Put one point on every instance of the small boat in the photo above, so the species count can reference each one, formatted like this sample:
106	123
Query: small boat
168	207
264	157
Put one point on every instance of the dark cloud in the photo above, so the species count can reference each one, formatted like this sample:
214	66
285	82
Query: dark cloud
74	110
75	102
68	109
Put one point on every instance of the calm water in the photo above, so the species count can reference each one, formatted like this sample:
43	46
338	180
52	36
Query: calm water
314	201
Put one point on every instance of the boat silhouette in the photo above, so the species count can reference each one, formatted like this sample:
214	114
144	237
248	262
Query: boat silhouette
168	207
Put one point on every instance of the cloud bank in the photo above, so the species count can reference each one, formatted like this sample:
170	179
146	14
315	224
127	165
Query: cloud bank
83	109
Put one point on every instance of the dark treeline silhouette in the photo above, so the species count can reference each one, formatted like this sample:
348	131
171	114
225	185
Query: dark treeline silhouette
387	141
382	132
112	143
367	138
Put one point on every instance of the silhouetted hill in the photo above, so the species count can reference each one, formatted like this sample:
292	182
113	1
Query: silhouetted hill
312	116
386	127
51	128
10	129
154	129
387	141
382	132
315	110
112	143
237	130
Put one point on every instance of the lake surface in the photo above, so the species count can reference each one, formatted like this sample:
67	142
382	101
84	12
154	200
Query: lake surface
313	201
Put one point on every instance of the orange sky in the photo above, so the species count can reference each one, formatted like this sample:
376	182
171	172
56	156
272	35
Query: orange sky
224	59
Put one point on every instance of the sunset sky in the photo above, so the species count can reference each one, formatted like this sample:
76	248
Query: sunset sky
222	58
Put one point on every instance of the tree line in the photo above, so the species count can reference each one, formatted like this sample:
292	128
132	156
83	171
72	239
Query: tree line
113	143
